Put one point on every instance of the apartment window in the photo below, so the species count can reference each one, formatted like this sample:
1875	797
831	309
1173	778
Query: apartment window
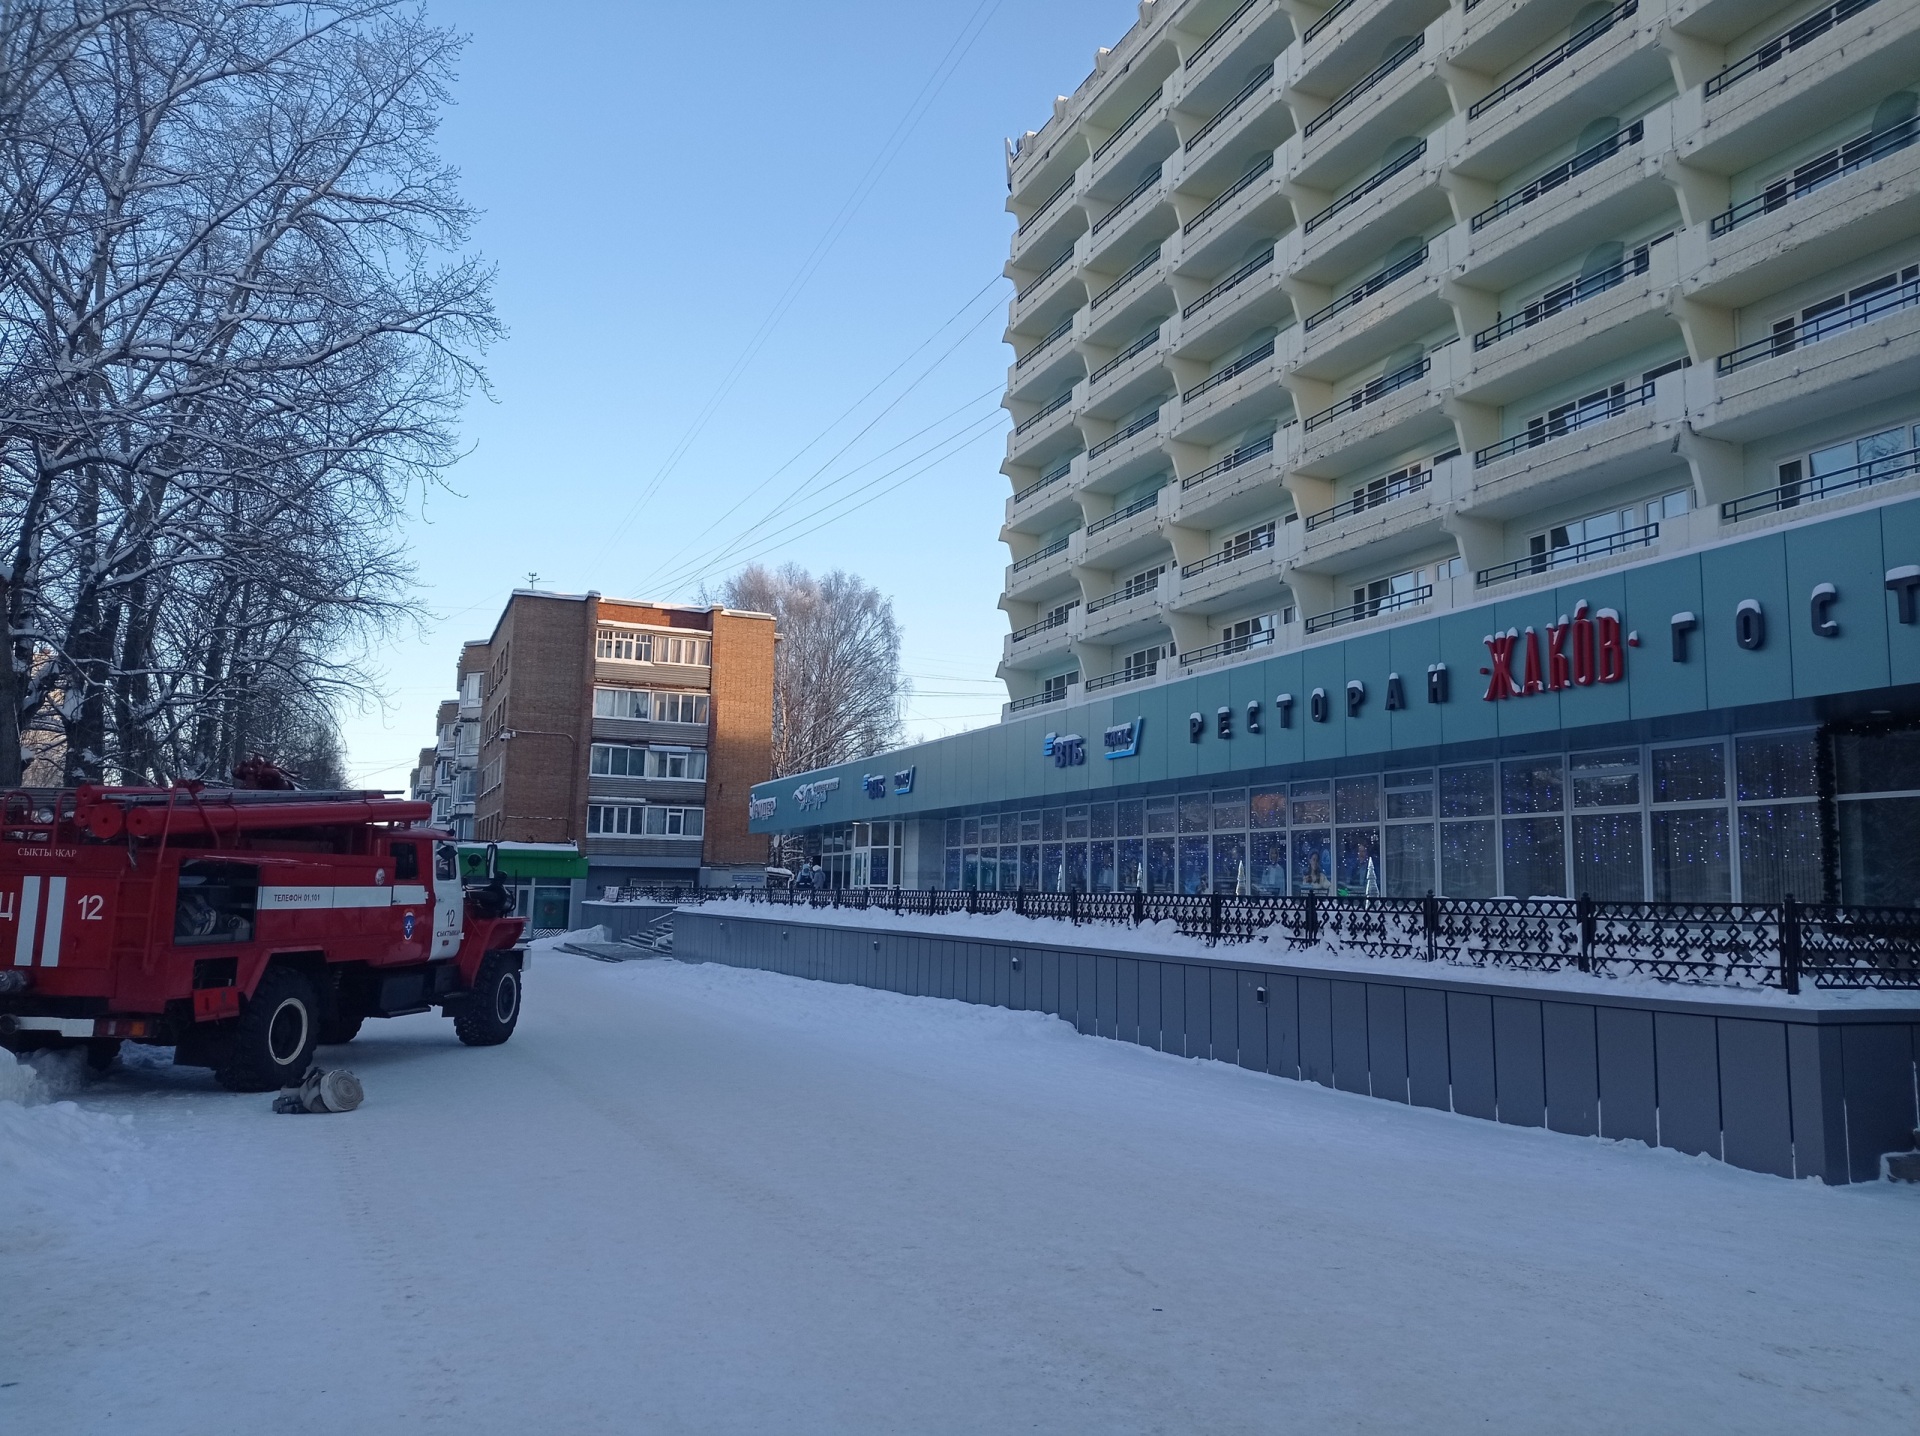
1142	582
470	689
467	738
650	820
492	775
1258	537
680	708
685	764
463	791
658	707
1144	662
1249	631
633	646
1565	543
1056	616
1372	595
1056	686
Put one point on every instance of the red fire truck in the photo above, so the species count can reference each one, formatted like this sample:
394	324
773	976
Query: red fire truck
241	927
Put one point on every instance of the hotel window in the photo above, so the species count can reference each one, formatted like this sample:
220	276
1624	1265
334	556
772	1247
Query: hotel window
1143	582
1143	662
1247	541
1563	543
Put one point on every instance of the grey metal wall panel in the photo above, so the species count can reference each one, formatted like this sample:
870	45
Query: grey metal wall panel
1428	1080
1573	1076
1001	961
1149	1003
1316	1031
1629	1103
1686	1058
1049	981
1877	1065
1387	1041
1128	977
1017	962
1756	1105
983	974
1283	1026
1199	1011
1470	1053
1173	1008
1086	994
1223	1025
1816	1082
1519	1072
1254	998
951	976
1070	988
1106	986
1349	1012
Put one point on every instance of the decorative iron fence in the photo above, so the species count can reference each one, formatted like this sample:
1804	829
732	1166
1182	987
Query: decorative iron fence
1752	945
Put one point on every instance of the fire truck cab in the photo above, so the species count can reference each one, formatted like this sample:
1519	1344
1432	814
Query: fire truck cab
240	927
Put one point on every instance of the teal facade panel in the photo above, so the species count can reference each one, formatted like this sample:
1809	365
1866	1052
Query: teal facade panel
1286	675
1856	655
1528	615
1324	668
1211	692
1411	651
1368	662
1464	651
1899	548
1730	576
1656	685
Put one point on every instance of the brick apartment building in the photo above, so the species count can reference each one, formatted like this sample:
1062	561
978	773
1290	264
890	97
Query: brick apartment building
631	730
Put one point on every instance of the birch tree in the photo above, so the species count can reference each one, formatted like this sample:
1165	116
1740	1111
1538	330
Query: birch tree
236	327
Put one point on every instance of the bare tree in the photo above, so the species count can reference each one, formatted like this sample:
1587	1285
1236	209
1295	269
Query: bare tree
235	330
837	686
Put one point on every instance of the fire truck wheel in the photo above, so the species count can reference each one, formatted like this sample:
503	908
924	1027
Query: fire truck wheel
338	1031
274	1039
101	1052
488	1016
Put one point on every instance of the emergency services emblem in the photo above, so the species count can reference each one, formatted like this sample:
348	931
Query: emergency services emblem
406	927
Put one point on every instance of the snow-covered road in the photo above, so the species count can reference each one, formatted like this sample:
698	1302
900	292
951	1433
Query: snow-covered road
696	1199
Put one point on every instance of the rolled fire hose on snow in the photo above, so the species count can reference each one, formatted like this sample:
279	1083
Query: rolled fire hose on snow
333	1091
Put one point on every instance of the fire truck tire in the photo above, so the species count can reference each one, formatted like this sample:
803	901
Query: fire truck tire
273	1040
101	1052
490	1012
338	1031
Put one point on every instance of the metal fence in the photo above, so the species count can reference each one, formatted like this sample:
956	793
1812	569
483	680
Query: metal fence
1719	944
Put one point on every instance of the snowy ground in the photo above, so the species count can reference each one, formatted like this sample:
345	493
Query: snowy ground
697	1199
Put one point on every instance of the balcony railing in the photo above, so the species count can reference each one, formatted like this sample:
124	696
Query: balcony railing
1245	454
1046	204
1120	436
1233	553
1125	200
1057	619
1232	371
1794	335
1120	516
1057	546
1132	351
1565	296
1333	12
1370	608
1047	341
1370	498
1784	44
1037	700
1583	417
1820	171
1032	285
1371	287
1372	392
1051	477
1552	180
1822	486
1246	92
1122	675
1122	594
1140	267
1224	26
1044	412
1367	186
1239	276
1555	57
1386	67
1258	638
1264	164
1128	123
1568	555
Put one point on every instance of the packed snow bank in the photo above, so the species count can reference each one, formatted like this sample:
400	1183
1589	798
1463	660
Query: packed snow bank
1271	948
57	1160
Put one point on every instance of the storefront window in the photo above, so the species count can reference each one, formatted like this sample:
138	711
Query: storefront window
1160	864
1030	867
1077	864
970	870
1163	815
1608	855
1533	856
1193	865
1053	861
1230	810
1880	851
1267	808
1409	856
1312	858
1312	803
1268	865
1356	800
1009	869
1691	859
1606	780
953	866
1359	872
1101	815
989	829
1103	870
1130	818
1195	812
1696	773
1876	762
954	827
1077	822
1780	852
1052	825
1229	863
1467	792
971	837
1410	803
1030	826
1775	765
1531	785
1132	858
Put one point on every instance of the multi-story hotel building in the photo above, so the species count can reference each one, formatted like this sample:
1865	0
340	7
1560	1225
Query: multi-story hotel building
632	731
1479	439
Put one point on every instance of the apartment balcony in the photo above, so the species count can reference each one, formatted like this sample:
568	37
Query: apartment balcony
1600	69
1130	221
603	788
1042	299
1548	569
1383	416
1044	364
1038	575
1122	300
1237	395
1043	502
1128	535
1039	643
1127	377
1895	475
1369	319
1348	38
1244	482
1345	230
1245	298
1376	525
1245	203
1229	578
1867	199
1130	452
1841	58
1229	651
1574	328
1054	222
1123	614
1612	187
1628	436
1141	136
1372	612
1045	433
1402	95
1849	358
1253	27
1253	115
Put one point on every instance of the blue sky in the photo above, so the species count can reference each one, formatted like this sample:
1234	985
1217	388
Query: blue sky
787	219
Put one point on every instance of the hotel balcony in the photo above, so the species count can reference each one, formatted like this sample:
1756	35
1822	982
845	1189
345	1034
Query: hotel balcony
1141	131
1250	115
1345	228
1363	320
1229	578
1042	502
1224	211
1129	220
1127	537
1040	643
1043	297
1247	297
1054	222
1252	27
1831	62
1132	451
1348	38
1378	417
1243	482
1122	614
1045	433
1123	299
1401	95
1575	327
1535	101
1042	574
1126	377
1378	523
1044	364
1237	394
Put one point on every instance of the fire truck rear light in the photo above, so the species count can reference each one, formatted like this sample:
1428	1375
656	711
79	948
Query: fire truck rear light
122	1027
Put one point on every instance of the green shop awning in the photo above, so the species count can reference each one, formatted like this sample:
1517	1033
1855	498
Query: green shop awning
524	860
